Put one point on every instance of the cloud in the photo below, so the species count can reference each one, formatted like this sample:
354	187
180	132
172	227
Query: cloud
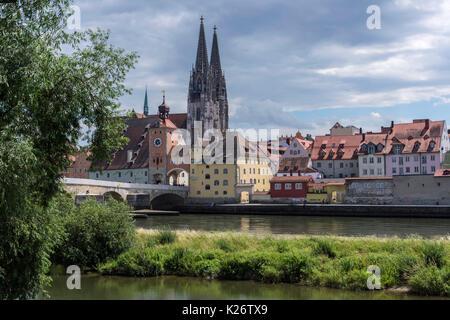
375	115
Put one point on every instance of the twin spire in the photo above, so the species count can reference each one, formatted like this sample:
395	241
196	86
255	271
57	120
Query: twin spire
201	63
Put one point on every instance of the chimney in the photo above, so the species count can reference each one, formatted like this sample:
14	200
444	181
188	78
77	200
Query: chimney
427	124
392	123
363	137
360	130
129	155
290	172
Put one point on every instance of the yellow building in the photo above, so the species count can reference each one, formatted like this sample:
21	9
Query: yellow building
335	192
231	182
213	181
316	193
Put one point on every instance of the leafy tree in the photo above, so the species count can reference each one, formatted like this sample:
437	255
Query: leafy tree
52	85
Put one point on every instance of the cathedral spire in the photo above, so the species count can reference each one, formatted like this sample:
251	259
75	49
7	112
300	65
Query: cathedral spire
201	63
146	103
215	56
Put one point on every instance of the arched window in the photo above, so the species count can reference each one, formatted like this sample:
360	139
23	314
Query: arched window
371	149
216	182
379	147
364	148
432	144
416	145
207	176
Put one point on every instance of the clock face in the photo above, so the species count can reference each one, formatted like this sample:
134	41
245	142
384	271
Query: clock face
157	142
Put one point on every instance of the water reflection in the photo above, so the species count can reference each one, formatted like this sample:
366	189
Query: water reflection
344	226
94	286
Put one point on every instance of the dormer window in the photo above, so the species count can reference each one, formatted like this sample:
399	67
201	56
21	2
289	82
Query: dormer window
364	148
371	149
323	146
432	144
416	145
379	147
340	153
341	146
331	153
333	145
397	149
322	154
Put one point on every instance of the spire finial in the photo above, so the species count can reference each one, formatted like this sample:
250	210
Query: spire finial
215	28
164	96
201	19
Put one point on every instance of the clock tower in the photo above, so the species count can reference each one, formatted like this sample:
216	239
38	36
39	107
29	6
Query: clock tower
162	140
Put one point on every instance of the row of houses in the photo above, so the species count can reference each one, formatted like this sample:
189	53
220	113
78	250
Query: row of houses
399	189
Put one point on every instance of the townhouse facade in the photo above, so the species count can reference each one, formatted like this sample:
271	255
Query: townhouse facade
371	157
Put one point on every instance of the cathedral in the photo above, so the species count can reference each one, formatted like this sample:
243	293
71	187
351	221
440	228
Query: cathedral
207	96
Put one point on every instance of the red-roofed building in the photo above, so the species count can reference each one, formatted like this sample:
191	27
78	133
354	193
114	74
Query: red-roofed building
371	157
294	187
79	167
336	156
416	148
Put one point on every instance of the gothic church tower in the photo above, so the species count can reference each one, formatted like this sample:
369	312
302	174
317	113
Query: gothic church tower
207	97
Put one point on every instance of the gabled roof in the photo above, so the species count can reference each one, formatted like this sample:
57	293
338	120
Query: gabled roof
331	147
421	131
375	139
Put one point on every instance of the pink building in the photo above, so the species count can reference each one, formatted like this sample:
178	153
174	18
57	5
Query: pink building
416	148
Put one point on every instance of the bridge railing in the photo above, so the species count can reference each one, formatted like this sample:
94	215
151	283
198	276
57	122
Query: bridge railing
121	185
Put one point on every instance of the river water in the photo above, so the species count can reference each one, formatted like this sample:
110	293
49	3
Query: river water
341	226
94	286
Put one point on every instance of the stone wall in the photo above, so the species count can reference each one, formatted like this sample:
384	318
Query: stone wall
423	189
369	191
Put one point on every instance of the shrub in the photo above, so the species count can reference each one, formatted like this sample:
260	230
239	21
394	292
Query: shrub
434	253
180	262
270	274
295	267
165	235
431	281
224	244
94	233
324	246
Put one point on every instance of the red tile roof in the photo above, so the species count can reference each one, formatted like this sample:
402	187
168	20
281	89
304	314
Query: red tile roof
375	139
329	147
442	173
292	179
422	131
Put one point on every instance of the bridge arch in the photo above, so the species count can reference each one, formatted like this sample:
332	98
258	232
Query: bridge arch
113	194
166	201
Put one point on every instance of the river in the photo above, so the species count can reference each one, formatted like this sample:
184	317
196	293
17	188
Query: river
94	286
339	226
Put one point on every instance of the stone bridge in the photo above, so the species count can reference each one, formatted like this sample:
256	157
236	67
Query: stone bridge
139	196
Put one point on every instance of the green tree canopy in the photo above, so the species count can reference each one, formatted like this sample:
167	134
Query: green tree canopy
56	87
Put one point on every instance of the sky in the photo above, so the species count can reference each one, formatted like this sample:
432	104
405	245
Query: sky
292	65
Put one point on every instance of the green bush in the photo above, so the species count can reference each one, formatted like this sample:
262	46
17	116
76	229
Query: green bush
324	246
295	267
434	253
180	262
165	235
95	232
431	281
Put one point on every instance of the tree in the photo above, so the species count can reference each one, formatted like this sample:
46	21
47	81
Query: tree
52	84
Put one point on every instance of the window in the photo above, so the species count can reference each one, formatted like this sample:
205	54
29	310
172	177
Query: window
364	160
193	171
394	160
216	171
351	164
372	172
207	176
341	165
407	159
244	171
379	171
371	160
288	186
394	170
433	169
408	169
365	172
107	175
216	192
198	191
96	175
432	144
216	182
225	171
277	186
298	186
379	147
319	165
131	173
424	159
364	148
371	149
397	149
207	187
401	171
225	182
433	157
416	169
416	158
207	167
330	165
379	159
416	145
424	170
147	172
400	161
225	192
120	174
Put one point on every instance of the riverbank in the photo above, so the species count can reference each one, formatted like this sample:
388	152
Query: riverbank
336	262
333	210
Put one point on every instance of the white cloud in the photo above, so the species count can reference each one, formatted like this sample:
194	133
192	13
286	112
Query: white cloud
375	115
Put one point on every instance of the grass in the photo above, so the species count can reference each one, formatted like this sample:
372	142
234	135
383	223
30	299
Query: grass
337	262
